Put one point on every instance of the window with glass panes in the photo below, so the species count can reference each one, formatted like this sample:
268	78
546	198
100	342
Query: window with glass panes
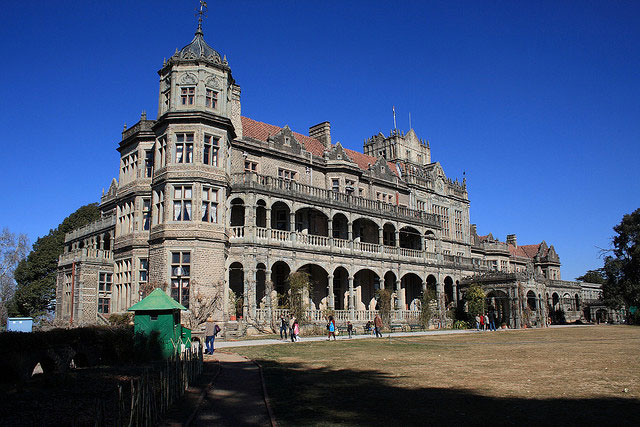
209	204
180	275
158	206
250	166
210	154
457	223
184	148
105	281
187	95
286	174
161	151
143	275
148	163
211	98
146	214
182	203
444	217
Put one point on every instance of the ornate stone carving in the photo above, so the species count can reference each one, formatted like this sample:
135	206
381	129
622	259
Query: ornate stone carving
213	82
188	79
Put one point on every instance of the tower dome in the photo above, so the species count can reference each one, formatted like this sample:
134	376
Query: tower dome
198	48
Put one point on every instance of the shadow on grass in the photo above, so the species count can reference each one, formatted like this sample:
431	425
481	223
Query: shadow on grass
303	396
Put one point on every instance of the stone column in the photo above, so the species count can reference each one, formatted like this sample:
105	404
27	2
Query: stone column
397	291
351	301
245	294
268	288
111	240
330	231
251	284
455	293
331	299
380	237
292	225
268	217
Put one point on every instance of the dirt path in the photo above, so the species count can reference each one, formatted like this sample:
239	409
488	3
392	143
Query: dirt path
230	393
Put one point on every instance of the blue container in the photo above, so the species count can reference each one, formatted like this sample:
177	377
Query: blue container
20	324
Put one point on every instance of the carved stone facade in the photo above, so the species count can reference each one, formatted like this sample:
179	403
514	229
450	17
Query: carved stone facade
209	201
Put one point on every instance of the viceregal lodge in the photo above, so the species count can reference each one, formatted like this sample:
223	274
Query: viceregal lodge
209	202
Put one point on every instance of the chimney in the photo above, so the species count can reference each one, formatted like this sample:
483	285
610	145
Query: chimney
511	240
322	132
474	229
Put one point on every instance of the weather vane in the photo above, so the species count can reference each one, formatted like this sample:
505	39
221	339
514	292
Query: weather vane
202	12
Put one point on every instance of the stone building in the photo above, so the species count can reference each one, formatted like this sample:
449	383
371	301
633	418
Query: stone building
209	202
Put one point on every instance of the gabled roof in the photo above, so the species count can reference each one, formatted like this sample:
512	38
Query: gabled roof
157	300
261	131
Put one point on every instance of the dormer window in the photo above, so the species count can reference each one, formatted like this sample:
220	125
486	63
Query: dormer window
187	94
211	99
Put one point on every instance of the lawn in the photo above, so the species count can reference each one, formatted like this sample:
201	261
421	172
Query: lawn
577	375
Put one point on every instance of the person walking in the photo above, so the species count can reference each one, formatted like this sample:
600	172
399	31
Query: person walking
283	327
377	323
486	322
210	334
482	322
292	322
349	328
296	331
477	322
332	329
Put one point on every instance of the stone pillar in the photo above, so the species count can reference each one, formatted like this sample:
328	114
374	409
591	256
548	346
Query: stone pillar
268	288
396	237
330	231
252	295
245	294
351	299
397	291
268	217
455	293
330	300
401	296
111	233
380	238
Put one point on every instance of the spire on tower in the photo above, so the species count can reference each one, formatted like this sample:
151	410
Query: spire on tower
201	13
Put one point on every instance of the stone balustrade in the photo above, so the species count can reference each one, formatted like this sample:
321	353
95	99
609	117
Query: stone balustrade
85	254
271	237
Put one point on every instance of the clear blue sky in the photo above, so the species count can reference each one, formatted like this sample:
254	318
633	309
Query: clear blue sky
539	102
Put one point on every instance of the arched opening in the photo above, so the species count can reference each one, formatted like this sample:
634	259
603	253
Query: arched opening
280	216
390	284
555	301
389	235
531	300
261	214
107	242
577	301
365	231
448	290
279	274
236	285
261	290
412	285
312	221
319	280
431	284
237	212
498	302
567	302
366	282
340	226
430	241
341	288
410	238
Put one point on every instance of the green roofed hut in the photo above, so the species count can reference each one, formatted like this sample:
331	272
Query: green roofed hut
158	312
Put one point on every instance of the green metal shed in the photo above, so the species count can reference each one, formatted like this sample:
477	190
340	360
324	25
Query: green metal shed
161	313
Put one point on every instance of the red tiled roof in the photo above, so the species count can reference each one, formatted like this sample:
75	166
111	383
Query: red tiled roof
261	131
526	251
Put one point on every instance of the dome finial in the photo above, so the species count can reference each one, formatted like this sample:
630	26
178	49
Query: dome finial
201	13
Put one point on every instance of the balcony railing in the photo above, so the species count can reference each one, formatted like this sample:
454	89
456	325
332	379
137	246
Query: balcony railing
341	316
267	236
346	201
85	254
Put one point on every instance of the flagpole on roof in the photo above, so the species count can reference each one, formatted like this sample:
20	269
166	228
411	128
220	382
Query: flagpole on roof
394	117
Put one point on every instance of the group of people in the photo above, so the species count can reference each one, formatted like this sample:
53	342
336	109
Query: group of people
486	321
375	327
289	324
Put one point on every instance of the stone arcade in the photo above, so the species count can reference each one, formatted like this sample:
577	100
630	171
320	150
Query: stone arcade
209	201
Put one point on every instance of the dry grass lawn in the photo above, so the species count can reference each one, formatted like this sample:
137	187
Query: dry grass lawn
576	375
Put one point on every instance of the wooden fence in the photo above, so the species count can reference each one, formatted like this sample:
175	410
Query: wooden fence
149	396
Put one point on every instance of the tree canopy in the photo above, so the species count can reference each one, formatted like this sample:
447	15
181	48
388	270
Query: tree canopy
592	276
622	269
13	249
36	275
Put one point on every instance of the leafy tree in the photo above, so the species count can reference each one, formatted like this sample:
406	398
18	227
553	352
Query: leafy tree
426	312
476	300
622	269
13	249
36	275
592	276
299	284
